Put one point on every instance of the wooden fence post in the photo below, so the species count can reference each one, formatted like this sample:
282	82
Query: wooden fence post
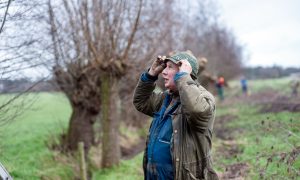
83	170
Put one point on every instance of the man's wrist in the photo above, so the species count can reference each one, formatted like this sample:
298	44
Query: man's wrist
178	75
146	77
151	77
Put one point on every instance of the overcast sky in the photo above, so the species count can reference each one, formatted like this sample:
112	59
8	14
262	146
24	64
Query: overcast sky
270	29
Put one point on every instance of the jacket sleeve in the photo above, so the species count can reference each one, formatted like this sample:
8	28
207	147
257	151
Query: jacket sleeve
145	99
197	103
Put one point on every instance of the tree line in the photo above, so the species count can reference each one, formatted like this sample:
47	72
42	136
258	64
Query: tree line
269	72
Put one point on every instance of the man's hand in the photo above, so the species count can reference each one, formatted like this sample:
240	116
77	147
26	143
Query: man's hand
185	66
157	66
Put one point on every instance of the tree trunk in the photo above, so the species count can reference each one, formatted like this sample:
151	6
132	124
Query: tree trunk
80	129
110	120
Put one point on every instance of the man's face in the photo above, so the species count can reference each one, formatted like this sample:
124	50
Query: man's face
168	75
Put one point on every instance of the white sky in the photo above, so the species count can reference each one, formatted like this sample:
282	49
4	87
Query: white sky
270	29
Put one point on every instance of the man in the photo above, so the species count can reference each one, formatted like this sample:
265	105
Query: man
179	141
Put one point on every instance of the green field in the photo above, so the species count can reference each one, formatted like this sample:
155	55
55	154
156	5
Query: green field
23	147
260	145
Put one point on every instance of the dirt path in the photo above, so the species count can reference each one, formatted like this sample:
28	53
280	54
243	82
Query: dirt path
229	148
269	101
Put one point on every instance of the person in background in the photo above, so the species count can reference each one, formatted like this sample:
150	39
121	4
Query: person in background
244	86
205	78
220	87
179	142
295	85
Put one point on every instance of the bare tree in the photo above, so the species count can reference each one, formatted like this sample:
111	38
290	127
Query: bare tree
224	52
76	75
94	45
208	37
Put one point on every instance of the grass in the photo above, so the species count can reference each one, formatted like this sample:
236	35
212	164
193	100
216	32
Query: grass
128	170
282	85
23	148
24	151
263	139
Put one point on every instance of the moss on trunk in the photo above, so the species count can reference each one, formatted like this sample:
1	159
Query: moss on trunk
110	120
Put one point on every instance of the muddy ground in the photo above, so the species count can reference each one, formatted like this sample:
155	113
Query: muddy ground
229	148
269	101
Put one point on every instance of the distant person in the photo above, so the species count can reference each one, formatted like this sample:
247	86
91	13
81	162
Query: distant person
295	86
204	77
220	87
178	146
244	86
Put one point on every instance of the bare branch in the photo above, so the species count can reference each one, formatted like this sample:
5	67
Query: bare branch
5	14
53	31
133	32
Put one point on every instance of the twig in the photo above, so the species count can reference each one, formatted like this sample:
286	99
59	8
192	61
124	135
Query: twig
4	19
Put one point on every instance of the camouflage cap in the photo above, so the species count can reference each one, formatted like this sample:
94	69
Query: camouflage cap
188	55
